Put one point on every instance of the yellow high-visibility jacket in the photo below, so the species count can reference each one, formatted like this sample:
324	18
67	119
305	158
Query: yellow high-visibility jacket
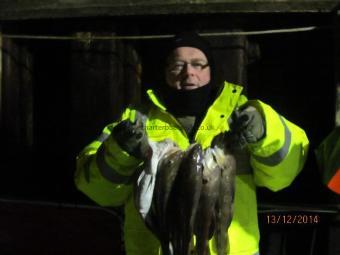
104	170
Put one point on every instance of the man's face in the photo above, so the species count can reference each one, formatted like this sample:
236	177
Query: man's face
187	69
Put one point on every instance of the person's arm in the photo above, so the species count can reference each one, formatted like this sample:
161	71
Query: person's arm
328	160
280	154
104	169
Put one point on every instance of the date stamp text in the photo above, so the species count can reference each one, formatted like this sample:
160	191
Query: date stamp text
299	219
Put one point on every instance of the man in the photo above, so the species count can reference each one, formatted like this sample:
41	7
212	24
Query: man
328	159
188	110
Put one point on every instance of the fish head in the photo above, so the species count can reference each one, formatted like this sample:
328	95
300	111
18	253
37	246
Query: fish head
227	141
195	154
140	119
218	140
158	151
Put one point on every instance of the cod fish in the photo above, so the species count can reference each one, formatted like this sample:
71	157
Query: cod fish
154	153
158	220
146	181
181	193
154	184
169	200
214	213
184	200
206	211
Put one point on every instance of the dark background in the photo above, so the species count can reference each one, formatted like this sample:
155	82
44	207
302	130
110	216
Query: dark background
294	73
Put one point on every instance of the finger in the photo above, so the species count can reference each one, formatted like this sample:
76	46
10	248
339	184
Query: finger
249	136
242	142
233	120
243	120
234	116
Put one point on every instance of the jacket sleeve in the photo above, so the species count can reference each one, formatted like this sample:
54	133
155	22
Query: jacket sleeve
328	159
280	155
104	170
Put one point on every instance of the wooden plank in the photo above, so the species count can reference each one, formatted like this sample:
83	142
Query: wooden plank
38	9
17	95
231	55
104	81
0	78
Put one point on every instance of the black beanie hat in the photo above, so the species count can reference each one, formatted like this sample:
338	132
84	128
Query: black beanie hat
191	39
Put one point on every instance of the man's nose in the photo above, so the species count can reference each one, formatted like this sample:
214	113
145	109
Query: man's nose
189	69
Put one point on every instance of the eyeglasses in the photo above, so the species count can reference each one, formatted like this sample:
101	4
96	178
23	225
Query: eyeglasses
178	66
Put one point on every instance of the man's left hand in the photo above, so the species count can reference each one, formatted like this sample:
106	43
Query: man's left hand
247	125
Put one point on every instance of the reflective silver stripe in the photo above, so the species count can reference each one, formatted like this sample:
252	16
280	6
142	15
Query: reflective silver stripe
102	137
107	171
278	156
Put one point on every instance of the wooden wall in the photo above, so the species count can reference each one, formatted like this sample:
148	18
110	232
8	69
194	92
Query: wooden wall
57	96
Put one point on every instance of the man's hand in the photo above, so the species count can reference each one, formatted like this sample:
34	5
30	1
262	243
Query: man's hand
247	125
131	137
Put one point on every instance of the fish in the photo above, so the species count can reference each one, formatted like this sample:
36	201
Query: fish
146	180
206	213
215	208
168	169
179	194
184	199
224	145
153	153
186	193
176	191
154	184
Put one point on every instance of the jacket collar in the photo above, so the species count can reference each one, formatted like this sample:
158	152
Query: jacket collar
219	103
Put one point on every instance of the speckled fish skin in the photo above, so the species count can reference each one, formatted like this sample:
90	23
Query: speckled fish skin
166	175
214	212
225	204
224	208
178	193
206	215
184	200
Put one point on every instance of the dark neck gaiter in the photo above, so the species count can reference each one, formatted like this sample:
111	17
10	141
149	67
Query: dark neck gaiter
187	102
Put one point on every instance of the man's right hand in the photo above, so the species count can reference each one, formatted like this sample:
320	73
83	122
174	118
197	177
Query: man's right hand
131	137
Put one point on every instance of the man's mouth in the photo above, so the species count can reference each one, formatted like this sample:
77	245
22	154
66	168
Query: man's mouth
188	86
